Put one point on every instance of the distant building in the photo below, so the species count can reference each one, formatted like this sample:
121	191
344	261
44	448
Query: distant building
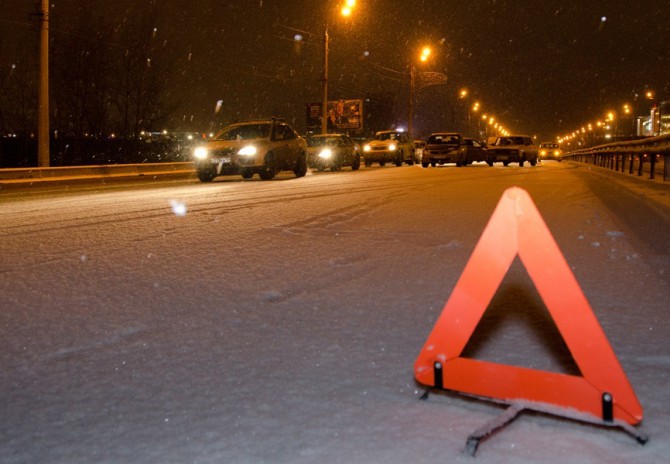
657	123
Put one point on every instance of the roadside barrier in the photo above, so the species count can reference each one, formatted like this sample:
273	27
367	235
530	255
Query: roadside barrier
635	153
23	175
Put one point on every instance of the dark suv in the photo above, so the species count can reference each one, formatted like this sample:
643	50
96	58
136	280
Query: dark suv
444	147
246	148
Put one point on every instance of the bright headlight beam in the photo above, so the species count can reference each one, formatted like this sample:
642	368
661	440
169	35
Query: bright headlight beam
200	152
249	150
325	153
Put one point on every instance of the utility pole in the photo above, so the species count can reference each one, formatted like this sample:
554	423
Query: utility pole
43	104
324	98
410	105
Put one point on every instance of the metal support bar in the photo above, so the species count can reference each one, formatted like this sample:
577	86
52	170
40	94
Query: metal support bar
652	165
490	427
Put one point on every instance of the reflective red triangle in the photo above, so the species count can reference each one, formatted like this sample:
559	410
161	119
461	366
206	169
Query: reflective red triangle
516	228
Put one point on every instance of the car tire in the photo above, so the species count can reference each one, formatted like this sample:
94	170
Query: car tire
533	162
490	163
433	163
247	173
356	164
399	159
337	165
382	163
424	164
301	165
269	170
368	163
505	163
206	175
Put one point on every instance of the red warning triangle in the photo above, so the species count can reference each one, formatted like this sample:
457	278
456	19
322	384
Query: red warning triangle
516	228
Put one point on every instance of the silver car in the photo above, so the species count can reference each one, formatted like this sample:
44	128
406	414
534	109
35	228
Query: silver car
264	147
332	151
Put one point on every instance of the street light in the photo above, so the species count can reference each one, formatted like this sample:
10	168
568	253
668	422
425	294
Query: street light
425	54
345	11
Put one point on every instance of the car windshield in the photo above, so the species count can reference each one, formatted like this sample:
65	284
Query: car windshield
388	136
321	141
441	138
244	132
513	141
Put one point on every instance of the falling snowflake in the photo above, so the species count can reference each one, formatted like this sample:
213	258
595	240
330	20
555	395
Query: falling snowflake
178	208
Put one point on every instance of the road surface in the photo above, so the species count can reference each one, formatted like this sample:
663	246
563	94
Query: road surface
278	322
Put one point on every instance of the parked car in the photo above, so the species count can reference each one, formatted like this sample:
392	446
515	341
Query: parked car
475	151
512	149
444	147
550	151
389	146
246	148
332	151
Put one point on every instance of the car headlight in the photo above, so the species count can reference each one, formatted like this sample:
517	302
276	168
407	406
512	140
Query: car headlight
557	153
200	153
326	153
249	150
366	148
543	153
392	147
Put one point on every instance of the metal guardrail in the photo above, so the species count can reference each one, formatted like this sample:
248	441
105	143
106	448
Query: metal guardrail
23	175
616	155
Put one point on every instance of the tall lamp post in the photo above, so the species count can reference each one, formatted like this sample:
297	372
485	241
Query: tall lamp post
425	53
346	10
43	97
463	95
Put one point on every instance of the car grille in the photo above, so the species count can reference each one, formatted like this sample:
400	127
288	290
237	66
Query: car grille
222	152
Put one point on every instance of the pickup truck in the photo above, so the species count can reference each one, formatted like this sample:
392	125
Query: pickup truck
512	149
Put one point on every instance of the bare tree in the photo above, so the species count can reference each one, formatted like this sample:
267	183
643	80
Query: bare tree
81	78
18	99
143	72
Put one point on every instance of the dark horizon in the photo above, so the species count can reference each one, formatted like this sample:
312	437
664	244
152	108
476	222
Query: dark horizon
543	70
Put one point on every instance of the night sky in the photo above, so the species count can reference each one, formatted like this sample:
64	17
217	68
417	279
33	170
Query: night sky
542	68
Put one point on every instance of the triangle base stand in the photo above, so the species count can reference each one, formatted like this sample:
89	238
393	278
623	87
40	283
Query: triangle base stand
515	409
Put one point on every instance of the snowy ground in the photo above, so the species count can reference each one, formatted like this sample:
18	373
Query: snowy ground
278	322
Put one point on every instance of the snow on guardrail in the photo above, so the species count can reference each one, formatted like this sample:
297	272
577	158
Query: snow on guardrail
635	152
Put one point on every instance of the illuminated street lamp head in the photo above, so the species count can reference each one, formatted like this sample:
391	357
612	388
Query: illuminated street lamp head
626	108
463	93
425	53
348	7
650	94
610	116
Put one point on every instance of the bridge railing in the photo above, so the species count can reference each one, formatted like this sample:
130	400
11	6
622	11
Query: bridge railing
35	174
635	153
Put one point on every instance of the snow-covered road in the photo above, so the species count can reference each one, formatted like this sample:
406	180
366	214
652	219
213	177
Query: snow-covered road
278	322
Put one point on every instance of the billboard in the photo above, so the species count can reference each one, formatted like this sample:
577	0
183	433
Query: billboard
343	116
